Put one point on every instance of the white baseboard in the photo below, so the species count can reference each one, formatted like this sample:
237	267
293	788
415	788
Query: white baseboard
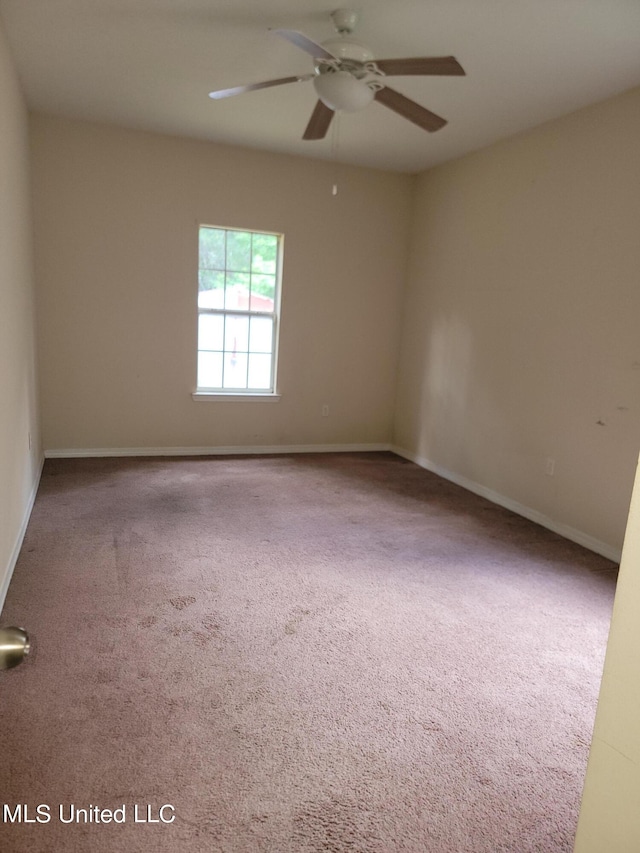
13	559
577	536
70	453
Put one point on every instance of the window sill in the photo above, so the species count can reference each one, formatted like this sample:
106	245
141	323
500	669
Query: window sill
207	396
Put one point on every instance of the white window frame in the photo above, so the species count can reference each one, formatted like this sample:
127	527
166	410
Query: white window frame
203	393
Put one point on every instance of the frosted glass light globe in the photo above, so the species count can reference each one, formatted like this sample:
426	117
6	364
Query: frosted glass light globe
340	90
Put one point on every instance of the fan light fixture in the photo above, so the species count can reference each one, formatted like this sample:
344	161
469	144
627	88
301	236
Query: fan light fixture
340	90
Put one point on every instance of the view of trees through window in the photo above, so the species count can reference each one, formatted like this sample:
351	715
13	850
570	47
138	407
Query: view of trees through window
237	298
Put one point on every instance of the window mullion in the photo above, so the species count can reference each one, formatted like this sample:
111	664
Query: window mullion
273	350
248	344
224	336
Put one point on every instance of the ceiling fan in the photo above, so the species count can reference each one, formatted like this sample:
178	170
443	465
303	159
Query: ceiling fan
346	77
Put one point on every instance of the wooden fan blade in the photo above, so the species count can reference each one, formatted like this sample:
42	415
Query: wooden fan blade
408	109
240	90
304	43
319	122
443	65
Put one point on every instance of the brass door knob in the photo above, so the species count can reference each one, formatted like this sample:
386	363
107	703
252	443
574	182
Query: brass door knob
14	647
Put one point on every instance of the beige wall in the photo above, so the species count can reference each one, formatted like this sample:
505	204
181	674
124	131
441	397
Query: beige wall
520	339
609	815
116	253
19	466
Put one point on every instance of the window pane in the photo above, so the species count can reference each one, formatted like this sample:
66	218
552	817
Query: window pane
209	369
260	372
237	292
263	291
210	329
239	251
210	279
211	299
236	338
261	338
210	289
264	253
262	303
211	249
235	370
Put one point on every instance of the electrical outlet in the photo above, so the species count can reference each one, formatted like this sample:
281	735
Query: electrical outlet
550	467
325	411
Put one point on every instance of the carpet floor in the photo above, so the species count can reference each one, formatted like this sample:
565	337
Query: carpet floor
295	654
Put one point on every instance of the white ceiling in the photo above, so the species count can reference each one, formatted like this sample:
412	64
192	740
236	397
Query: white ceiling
151	63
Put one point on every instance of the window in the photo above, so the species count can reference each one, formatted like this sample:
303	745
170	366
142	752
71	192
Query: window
238	300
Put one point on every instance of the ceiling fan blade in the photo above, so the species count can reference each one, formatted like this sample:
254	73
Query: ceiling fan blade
319	122
443	65
240	90
408	109
301	41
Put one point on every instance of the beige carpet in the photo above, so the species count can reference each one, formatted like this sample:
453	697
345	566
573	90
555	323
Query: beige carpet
298	654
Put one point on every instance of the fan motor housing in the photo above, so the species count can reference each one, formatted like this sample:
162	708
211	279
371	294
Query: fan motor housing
348	48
